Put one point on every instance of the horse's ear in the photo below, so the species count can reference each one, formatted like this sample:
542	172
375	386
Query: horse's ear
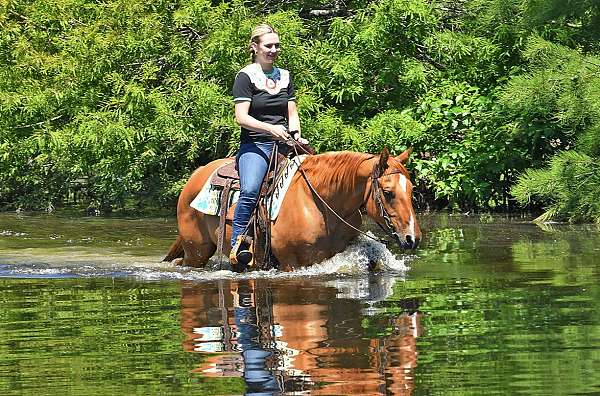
383	159
404	156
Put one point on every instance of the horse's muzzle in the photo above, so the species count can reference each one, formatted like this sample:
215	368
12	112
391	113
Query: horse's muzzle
407	242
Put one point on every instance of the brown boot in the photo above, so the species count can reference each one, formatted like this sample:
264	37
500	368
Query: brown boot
242	253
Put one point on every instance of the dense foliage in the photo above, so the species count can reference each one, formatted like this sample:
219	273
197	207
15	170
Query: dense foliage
562	93
113	104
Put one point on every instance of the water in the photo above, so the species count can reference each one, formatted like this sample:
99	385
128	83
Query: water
498	306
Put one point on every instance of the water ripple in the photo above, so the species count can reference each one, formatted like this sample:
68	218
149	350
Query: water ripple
63	263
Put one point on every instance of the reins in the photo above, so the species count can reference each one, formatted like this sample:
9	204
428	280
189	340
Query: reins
376	197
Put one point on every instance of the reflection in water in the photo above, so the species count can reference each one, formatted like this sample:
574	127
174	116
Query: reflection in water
510	309
294	337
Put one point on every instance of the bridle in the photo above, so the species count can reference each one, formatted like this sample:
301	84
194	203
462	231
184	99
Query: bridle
376	191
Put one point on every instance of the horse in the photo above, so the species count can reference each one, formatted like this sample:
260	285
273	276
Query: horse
321	211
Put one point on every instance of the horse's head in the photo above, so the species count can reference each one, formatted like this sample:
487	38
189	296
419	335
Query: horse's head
390	199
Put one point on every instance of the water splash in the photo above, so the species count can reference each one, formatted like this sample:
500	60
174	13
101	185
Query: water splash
355	261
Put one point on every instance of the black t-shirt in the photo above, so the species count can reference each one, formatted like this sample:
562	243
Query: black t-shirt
268	98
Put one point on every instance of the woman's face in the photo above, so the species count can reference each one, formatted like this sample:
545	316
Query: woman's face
267	49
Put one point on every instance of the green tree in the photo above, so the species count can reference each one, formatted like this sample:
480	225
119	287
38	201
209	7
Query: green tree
117	102
558	107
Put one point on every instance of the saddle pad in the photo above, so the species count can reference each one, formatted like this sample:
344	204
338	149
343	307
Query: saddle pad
209	198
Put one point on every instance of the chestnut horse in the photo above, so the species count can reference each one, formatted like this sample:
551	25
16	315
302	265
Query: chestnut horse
307	231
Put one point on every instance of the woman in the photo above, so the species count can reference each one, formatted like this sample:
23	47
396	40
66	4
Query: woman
265	109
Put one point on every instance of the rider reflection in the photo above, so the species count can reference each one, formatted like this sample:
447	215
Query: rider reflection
259	379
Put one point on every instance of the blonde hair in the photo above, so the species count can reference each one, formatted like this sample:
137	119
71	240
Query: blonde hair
257	32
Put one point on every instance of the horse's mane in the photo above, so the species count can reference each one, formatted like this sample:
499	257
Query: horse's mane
334	169
339	168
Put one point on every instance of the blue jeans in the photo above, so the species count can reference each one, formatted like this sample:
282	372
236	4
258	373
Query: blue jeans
252	162
257	355
259	377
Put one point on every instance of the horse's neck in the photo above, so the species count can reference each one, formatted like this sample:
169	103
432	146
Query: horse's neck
340	178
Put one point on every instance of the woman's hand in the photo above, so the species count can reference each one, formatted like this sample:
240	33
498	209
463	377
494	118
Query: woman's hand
279	132
299	138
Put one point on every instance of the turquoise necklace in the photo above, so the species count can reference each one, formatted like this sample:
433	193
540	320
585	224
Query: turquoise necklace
273	73
272	77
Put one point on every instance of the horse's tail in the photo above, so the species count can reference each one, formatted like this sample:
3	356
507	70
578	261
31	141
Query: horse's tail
175	251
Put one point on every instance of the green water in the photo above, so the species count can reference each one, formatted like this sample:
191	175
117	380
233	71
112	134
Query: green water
494	307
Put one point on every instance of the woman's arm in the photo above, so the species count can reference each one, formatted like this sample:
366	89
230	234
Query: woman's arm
245	120
294	122
293	118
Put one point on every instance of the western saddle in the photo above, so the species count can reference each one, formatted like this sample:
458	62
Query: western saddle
227	178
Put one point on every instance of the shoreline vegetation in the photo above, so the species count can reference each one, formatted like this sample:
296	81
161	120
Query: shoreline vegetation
110	106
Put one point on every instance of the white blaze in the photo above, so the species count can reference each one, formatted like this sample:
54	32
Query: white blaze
403	182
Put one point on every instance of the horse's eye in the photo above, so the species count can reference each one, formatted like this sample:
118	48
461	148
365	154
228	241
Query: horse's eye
388	194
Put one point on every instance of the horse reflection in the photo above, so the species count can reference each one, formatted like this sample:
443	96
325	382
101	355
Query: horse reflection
294	339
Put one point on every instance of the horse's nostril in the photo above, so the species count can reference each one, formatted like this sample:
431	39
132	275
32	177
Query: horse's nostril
411	241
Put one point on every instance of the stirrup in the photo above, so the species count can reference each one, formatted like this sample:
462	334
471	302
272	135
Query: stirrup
242	253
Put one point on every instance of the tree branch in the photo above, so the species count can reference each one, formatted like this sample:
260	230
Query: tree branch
190	33
324	13
421	54
39	123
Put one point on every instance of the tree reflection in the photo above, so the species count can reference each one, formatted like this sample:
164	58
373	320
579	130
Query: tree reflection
295	337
